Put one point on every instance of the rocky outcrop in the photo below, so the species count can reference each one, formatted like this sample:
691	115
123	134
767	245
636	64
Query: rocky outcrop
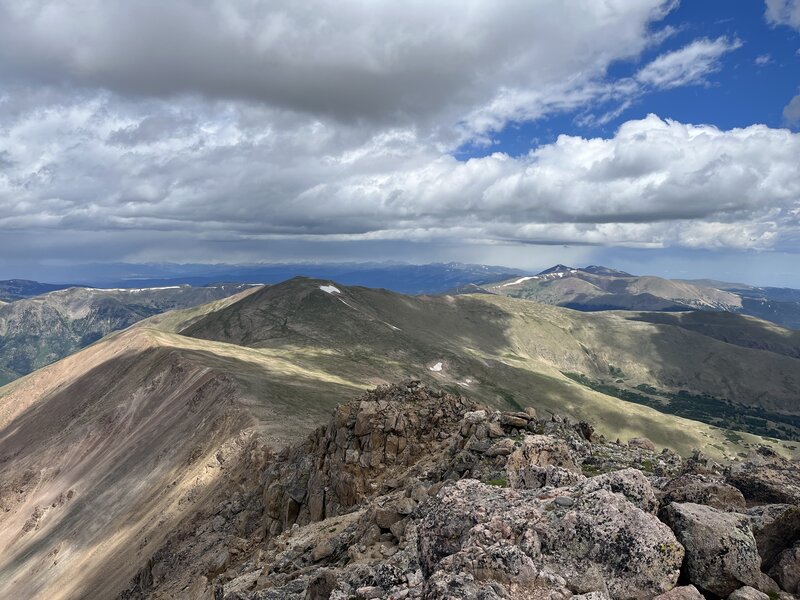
776	527
412	493
513	536
367	441
721	553
765	478
709	490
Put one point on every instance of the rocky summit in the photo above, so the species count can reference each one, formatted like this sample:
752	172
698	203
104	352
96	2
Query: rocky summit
410	492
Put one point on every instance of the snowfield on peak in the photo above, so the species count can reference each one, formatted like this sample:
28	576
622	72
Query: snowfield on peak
330	289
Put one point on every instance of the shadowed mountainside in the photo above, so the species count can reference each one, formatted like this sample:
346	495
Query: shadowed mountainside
38	331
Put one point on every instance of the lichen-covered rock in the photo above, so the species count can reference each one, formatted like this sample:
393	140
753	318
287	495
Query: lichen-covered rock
513	535
631	483
721	552
527	465
683	592
766	478
703	489
748	593
775	527
786	570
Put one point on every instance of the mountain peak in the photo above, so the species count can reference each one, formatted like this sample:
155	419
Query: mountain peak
559	268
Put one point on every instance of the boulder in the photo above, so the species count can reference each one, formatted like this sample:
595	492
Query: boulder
786	570
748	593
776	527
526	466
513	536
643	443
683	592
767	479
721	552
386	517
703	489
631	483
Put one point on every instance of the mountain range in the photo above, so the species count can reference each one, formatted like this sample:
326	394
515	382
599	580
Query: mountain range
38	330
596	288
106	452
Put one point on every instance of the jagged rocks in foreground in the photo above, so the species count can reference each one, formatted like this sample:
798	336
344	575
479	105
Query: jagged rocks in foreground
412	493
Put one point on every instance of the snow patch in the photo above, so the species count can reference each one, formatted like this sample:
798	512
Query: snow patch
437	367
520	280
330	289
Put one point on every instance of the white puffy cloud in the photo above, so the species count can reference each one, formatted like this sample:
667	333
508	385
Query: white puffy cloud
655	183
783	12
134	129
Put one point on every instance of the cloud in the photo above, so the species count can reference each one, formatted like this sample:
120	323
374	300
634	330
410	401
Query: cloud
791	113
783	12
763	60
382	62
203	130
655	183
689	65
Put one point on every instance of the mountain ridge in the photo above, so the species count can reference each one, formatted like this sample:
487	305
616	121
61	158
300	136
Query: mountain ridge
104	453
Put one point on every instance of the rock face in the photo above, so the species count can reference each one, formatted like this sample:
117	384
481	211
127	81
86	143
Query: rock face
721	552
776	527
765	478
518	537
412	493
786	570
703	489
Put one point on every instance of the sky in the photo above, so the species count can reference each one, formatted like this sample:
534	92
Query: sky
655	136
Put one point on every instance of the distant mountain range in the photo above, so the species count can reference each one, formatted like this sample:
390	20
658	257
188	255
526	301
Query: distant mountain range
400	277
39	330
43	322
596	288
16	289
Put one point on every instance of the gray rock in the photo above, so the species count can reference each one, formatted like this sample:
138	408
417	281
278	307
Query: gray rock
786	570
776	527
748	593
703	489
631	483
721	552
643	443
511	536
526	466
683	592
767	479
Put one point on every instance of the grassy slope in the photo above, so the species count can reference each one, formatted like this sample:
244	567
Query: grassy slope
512	351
